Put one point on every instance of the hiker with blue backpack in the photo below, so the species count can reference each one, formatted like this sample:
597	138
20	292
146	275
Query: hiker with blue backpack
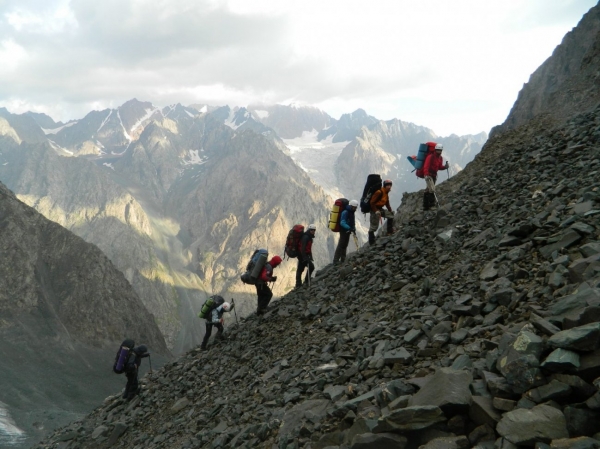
216	307
378	201
347	227
305	257
433	163
263	292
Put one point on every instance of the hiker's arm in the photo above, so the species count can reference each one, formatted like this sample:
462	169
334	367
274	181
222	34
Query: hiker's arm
376	196
303	243
388	205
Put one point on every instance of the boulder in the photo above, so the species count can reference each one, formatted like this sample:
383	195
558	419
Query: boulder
524	427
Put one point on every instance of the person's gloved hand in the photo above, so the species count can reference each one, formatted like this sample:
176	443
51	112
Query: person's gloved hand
222	321
273	278
378	213
447	165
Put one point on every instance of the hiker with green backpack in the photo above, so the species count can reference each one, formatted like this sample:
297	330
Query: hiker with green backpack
212	311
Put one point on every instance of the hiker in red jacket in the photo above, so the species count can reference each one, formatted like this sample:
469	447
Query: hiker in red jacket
263	292
433	163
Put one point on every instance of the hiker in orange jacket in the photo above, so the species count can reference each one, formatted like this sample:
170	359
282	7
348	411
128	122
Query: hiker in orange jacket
379	200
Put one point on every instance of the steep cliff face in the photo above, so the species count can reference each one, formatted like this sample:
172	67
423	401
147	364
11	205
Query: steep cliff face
64	310
568	82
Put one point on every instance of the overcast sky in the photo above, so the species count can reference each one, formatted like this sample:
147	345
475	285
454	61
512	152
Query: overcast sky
453	66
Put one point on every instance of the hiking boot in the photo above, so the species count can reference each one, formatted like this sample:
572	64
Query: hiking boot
371	238
203	348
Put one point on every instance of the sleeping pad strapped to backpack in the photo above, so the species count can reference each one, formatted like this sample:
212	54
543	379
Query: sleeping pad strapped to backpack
335	216
418	161
373	184
255	265
210	304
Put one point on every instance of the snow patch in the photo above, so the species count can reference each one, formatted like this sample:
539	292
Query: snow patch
232	119
55	130
203	109
127	136
104	121
261	114
146	116
6	163
109	165
56	146
195	158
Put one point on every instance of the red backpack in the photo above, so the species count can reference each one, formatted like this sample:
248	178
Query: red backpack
418	161
292	243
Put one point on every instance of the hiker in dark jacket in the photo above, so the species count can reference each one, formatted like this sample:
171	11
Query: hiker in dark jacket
131	370
305	258
263	292
347	227
215	318
433	163
379	200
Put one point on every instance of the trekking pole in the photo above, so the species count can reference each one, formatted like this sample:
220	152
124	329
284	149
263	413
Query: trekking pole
150	362
234	312
355	241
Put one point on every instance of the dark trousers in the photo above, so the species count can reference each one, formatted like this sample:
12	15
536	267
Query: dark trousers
340	251
131	389
209	327
264	294
300	269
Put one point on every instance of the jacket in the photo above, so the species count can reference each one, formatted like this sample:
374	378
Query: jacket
266	275
215	315
306	246
432	164
347	222
379	200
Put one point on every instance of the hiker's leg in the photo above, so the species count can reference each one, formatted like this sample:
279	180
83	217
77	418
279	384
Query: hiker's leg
206	335
299	270
311	268
373	225
390	222
220	330
129	375
267	295
343	245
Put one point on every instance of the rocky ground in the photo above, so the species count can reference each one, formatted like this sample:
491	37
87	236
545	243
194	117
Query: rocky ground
476	325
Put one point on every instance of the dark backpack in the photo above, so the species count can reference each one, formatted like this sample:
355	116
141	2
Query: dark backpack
292	243
209	305
122	356
418	161
254	267
373	184
335	216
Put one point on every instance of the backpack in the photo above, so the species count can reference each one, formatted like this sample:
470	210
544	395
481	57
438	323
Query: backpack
335	216
373	184
209	305
292	243
418	161
123	356
255	265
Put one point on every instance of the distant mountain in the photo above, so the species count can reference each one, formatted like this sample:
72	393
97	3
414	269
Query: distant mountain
64	310
290	121
347	127
45	121
131	197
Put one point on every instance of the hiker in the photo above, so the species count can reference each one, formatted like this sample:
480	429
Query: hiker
131	370
379	200
263	291
215	318
305	258
433	163
347	227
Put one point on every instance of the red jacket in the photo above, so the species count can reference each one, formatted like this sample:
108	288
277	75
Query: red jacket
433	163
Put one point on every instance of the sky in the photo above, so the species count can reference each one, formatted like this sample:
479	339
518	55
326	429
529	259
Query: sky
453	66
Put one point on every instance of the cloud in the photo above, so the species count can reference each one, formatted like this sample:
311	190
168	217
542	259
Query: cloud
69	55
